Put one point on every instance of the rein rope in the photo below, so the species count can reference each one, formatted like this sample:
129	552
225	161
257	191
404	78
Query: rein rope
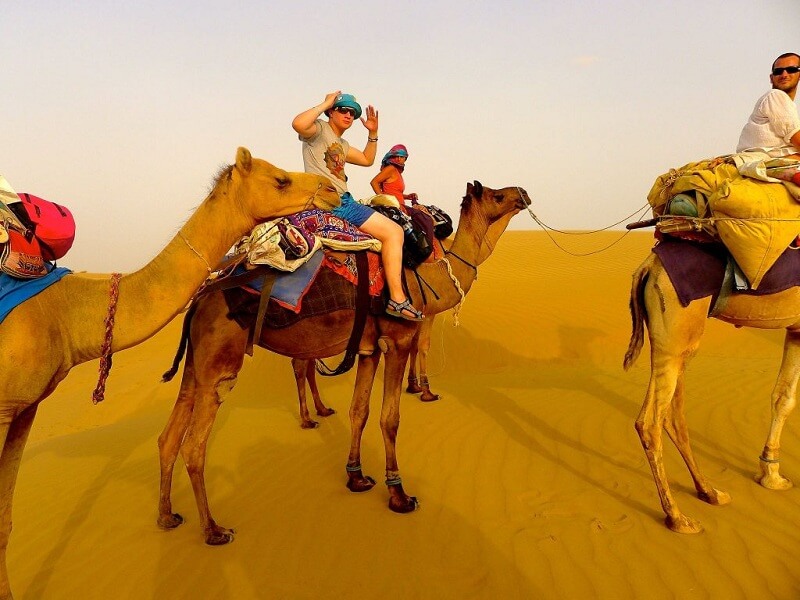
106	354
547	229
462	295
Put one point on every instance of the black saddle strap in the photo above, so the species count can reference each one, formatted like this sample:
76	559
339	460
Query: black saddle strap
255	331
359	321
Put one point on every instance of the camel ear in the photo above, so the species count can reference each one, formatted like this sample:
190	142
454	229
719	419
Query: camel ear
244	160
477	189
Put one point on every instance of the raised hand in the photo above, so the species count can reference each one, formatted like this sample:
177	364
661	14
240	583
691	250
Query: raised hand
371	122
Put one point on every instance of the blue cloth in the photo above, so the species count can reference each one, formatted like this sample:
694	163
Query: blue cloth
290	287
14	292
351	211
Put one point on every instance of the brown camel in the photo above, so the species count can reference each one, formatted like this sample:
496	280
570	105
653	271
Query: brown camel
216	349
674	333
305	375
63	326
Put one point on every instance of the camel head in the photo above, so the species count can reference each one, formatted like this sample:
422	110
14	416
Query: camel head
267	191
494	204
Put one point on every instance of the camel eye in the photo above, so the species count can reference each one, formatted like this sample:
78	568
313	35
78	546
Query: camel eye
498	197
282	182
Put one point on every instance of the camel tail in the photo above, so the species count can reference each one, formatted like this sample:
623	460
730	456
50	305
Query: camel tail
638	315
187	322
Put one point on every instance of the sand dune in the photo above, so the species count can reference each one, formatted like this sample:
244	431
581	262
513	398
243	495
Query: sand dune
530	475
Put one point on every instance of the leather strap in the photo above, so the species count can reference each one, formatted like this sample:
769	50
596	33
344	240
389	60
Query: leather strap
359	321
255	332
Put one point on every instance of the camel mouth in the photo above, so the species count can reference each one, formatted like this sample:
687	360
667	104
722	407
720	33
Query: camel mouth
524	200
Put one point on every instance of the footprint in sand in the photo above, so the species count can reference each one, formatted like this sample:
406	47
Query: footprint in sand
619	525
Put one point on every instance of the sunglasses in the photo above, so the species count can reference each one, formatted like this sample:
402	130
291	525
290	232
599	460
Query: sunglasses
791	70
349	111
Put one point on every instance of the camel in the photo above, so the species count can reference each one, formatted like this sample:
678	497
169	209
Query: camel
63	325
215	349
675	333
305	374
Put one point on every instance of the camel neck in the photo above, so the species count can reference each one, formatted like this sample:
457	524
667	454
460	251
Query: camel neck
152	296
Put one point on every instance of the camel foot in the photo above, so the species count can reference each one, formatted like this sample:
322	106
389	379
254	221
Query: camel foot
219	536
400	502
772	480
326	412
683	524
357	482
428	396
170	521
715	497
309	424
413	388
410	504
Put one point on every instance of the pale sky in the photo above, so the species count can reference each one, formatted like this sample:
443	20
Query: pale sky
124	111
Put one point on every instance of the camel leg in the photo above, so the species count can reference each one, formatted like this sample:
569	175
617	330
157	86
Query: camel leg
359	413
650	424
783	402
675	334
413	380
169	445
311	376
678	431
395	364
300	368
422	343
15	436
193	451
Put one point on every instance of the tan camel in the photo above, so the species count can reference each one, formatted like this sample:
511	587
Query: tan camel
674	333
63	326
305	375
216	348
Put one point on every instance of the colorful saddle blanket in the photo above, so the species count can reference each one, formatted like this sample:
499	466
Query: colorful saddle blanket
14	292
697	270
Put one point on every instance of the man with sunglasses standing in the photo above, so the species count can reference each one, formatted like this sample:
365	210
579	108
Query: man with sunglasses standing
325	153
774	126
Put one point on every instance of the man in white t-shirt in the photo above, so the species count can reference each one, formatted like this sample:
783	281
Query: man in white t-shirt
774	126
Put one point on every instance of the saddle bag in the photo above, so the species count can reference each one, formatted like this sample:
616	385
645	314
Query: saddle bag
50	223
21	256
416	247
442	223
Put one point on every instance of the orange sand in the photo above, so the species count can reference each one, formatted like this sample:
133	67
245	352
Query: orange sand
530	475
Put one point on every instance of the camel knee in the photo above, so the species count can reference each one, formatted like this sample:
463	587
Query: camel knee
646	436
224	387
783	403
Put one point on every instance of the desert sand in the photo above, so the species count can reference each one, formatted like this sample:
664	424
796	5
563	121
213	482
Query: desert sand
531	479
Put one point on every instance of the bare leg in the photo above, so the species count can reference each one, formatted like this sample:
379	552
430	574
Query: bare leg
14	436
359	413
391	237
783	402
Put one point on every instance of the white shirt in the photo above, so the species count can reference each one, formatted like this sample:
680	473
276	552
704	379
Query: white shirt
771	126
